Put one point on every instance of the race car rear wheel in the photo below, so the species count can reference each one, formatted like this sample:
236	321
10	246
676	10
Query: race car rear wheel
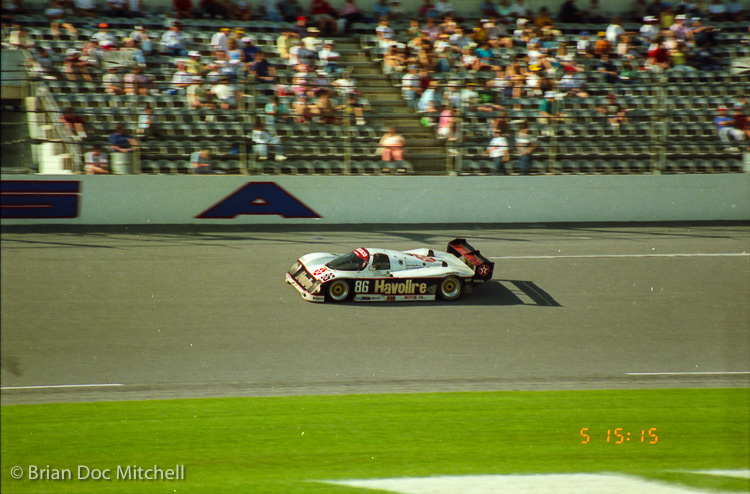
338	290
450	288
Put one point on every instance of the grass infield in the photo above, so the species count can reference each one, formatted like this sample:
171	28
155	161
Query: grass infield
282	445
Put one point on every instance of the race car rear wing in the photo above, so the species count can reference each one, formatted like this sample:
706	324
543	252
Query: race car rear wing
482	266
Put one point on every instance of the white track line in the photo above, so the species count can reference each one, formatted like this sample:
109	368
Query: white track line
707	373
625	256
58	386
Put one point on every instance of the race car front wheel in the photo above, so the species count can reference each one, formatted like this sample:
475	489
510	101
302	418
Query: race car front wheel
450	288
338	290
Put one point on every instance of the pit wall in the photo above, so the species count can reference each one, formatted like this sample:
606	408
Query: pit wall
237	200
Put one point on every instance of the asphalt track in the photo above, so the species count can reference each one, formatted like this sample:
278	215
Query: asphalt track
125	316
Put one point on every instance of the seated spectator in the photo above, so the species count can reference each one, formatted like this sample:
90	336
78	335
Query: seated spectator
220	39
410	85
487	8
601	45
384	33
550	112
200	162
263	71
197	96
393	60
505	11
249	48
122	146
117	8
289	10
174	42
616	114
302	109
678	58
42	63
543	18
225	93
447	123
262	139
607	70
113	82
133	46
725	126
351	14
241	10
74	122
147	124
325	15
58	17
427	10
19	39
269	11
183	9
614	31
355	107
392	145
499	150
740	121
519	9
323	110
141	37
312	41
593	14
429	98
73	66
276	112
444	8
569	12
181	78
97	162
381	9
193	64
649	31
285	41
213	9
329	59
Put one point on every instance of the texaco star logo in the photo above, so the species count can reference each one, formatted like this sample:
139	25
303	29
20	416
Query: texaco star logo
484	270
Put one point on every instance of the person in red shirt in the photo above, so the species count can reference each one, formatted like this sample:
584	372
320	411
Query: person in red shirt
740	121
325	16
183	9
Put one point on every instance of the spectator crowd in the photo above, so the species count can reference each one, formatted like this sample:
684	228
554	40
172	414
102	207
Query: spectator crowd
519	53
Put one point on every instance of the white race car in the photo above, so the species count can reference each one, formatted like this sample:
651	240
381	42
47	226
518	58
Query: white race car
370	275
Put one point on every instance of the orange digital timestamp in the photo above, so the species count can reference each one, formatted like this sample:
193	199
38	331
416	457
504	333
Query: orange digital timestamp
620	435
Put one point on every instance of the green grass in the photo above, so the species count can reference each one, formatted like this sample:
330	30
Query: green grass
278	445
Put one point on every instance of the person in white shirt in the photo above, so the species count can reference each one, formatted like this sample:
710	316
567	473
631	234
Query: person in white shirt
499	151
219	40
97	161
181	79
614	31
174	42
649	30
226	94
262	139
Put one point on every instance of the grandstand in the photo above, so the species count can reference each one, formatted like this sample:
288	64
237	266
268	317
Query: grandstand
669	125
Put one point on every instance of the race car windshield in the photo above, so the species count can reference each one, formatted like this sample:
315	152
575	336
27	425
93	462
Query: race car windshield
349	262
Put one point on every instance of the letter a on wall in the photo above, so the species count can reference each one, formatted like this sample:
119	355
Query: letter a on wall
264	198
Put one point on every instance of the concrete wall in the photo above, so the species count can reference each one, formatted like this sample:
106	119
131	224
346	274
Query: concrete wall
234	200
